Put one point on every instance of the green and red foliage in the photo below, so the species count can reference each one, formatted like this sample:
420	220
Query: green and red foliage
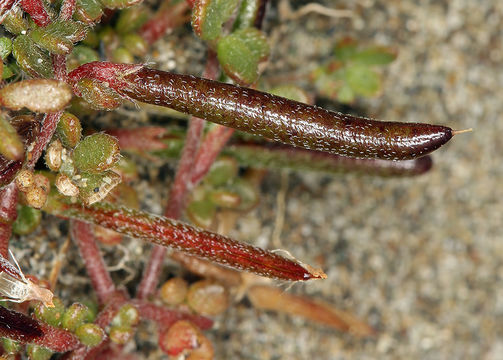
59	46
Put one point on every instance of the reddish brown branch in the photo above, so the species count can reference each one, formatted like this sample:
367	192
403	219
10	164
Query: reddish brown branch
83	236
67	9
211	147
48	127
168	17
8	214
165	317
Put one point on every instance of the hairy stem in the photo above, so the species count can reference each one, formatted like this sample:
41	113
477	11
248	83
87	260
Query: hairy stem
48	127
82	234
8	214
211	147
166	317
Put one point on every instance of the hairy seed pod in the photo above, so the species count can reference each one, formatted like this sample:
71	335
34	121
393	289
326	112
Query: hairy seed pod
39	95
36	197
283	120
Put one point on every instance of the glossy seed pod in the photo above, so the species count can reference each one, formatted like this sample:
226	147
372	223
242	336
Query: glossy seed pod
283	120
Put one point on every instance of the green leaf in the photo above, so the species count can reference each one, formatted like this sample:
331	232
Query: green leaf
90	334
131	19
256	42
222	171
5	47
247	14
345	95
362	80
11	145
208	16
58	37
237	60
345	49
374	56
88	11
96	153
291	92
85	54
35	61
201	212
69	130
27	220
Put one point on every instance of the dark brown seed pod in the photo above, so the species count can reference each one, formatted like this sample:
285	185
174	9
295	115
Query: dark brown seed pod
283	120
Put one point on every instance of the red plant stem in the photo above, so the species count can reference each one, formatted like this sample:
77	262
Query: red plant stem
140	139
168	17
180	236
178	191
67	10
82	234
8	214
174	207
165	317
211	147
22	328
59	66
48	127
37	12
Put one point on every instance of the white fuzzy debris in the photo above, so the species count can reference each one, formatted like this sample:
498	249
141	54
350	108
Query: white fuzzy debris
20	289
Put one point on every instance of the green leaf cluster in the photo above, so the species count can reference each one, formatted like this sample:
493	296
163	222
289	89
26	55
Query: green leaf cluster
352	72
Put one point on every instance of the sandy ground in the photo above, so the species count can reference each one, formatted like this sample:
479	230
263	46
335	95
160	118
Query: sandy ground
420	259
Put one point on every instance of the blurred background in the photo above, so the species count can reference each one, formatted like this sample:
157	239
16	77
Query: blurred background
420	259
